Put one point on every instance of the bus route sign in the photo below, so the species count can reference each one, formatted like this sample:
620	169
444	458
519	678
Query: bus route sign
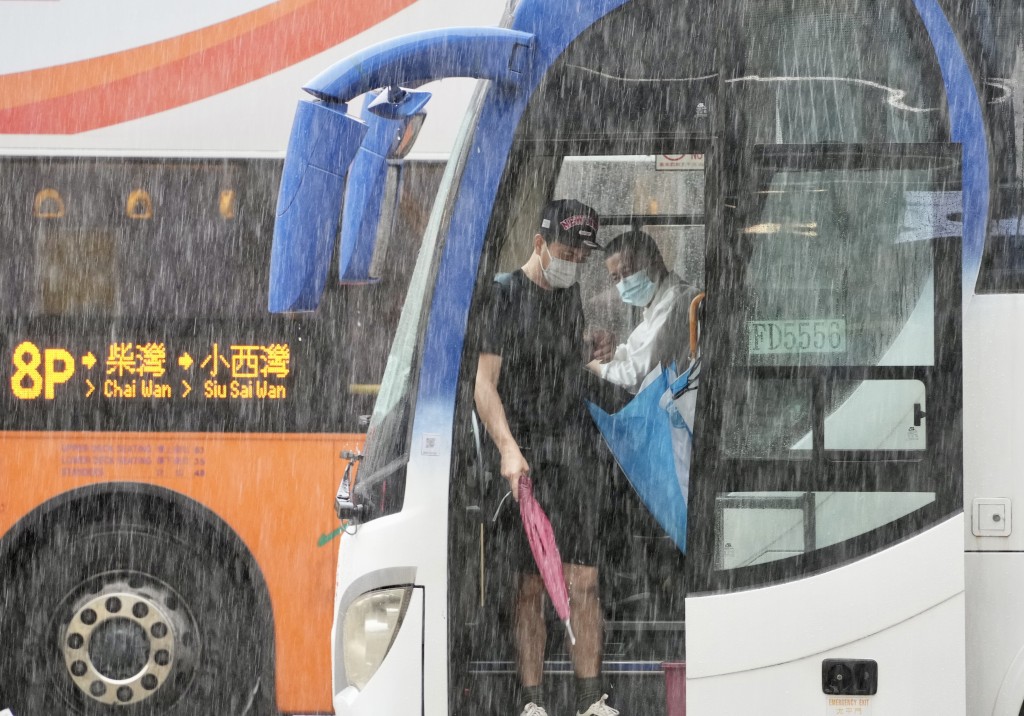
152	370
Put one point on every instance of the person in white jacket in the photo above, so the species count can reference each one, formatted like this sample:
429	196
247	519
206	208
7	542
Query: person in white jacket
637	268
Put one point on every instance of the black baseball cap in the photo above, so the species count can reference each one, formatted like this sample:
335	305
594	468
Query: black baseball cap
569	222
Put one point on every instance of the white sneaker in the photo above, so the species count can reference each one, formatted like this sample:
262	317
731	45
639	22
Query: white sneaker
599	708
532	709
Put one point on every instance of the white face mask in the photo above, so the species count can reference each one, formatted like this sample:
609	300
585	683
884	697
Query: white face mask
560	273
637	290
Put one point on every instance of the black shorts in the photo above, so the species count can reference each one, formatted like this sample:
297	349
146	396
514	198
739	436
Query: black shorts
572	485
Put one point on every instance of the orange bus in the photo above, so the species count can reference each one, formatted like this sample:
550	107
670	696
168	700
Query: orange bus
169	451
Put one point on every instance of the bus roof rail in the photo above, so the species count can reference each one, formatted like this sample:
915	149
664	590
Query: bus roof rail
488	53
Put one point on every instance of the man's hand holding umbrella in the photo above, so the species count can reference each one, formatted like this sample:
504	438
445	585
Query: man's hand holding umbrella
514	466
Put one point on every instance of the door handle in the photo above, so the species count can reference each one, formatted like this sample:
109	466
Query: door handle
919	415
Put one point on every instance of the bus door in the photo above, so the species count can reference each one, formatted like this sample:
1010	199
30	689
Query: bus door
825	558
642	570
624	128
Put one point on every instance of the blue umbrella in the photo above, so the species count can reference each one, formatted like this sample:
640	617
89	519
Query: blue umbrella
640	436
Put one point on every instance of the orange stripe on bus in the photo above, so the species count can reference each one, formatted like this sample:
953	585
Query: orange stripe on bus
90	94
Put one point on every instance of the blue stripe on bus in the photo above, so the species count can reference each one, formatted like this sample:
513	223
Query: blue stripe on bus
967	126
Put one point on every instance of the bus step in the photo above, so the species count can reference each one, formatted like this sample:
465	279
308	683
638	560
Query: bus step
657	688
564	667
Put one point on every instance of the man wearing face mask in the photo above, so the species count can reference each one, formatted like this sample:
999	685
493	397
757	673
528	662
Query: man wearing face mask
529	388
637	268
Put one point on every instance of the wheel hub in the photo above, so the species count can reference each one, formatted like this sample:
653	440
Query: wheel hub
120	647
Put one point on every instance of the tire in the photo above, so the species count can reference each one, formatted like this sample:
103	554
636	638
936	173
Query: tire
122	608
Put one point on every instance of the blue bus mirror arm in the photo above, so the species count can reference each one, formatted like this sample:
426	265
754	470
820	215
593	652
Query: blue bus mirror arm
487	53
323	142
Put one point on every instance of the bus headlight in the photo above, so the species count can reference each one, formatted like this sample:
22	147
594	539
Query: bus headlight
372	622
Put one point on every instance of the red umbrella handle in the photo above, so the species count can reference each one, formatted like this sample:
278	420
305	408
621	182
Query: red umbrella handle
525	485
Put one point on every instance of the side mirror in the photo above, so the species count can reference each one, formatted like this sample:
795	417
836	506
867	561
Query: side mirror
323	142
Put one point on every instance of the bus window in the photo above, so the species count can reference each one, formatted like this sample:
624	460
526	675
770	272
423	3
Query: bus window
836	287
877	415
774	418
757	528
795	273
382	484
844	343
658	195
864	81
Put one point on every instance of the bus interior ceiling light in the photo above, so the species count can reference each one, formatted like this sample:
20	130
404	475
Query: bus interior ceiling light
372	622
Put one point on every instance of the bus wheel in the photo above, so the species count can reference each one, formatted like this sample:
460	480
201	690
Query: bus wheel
124	616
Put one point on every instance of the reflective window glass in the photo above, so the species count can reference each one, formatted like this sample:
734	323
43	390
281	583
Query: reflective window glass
767	419
831	396
838	72
994	32
757	527
877	415
840	269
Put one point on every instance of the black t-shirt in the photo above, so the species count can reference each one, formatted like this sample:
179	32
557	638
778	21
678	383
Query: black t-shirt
539	335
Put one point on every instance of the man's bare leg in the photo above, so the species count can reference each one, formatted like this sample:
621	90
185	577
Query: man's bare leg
531	631
587	620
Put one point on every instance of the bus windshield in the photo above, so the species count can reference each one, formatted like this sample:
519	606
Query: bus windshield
388	435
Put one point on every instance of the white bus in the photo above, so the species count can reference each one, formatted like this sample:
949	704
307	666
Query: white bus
851	205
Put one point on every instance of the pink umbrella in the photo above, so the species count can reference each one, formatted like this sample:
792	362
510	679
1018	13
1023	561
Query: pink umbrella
545	551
